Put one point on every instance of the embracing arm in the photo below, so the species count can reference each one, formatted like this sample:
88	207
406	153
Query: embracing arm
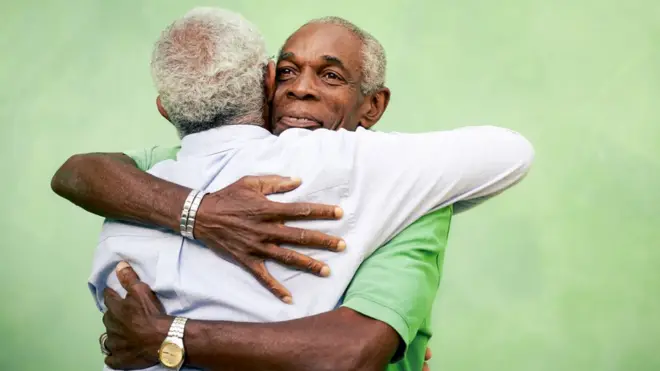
338	340
238	220
391	315
112	186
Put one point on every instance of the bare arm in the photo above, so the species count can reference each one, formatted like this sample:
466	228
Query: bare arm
237	221
111	185
338	340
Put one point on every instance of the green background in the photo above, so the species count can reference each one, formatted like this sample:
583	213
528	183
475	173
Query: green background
561	273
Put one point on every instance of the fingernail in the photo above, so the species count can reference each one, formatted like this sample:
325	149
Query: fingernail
121	266
341	246
296	180
339	212
325	271
287	299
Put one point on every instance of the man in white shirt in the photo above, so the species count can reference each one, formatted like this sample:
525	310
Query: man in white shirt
382	181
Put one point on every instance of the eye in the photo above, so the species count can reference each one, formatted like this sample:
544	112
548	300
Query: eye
284	73
331	75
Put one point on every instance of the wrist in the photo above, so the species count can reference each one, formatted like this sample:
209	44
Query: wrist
189	213
173	200
155	337
207	208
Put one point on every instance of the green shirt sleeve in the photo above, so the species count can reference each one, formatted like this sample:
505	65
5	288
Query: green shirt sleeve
398	283
148	157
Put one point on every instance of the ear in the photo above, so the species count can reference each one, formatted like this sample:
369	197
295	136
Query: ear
269	91
373	107
269	81
161	109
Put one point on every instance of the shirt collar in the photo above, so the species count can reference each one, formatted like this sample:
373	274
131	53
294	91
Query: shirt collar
221	138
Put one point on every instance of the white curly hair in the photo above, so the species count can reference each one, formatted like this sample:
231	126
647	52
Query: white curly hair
208	68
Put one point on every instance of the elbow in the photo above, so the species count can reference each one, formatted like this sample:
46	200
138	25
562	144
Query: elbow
59	180
518	150
526	153
63	182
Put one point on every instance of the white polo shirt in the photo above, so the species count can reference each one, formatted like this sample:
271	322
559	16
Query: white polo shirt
383	182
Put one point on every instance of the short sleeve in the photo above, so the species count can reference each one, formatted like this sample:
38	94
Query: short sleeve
146	158
398	283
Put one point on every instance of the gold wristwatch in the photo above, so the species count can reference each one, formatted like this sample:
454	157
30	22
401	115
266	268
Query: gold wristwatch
172	352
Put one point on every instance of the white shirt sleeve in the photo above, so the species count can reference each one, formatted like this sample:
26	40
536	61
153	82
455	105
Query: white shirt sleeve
400	177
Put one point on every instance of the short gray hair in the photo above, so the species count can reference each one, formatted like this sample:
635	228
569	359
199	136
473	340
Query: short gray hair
374	62
208	68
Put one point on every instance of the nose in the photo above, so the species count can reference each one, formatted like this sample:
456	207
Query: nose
304	87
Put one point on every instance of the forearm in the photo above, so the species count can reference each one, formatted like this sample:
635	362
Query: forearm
110	185
338	340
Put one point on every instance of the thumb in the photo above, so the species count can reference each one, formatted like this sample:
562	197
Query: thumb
126	275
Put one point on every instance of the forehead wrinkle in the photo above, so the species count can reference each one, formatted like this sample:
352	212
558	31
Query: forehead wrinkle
336	37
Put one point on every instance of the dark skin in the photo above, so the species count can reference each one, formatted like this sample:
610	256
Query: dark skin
137	325
319	74
237	220
337	340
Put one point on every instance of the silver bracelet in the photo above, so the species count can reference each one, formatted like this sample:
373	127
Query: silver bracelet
177	328
190	225
185	213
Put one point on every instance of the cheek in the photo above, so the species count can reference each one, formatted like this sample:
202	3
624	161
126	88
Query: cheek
340	114
276	103
349	112
342	106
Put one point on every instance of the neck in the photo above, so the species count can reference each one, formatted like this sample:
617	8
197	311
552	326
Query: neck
187	128
252	119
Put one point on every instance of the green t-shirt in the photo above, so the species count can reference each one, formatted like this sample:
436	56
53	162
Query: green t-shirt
397	284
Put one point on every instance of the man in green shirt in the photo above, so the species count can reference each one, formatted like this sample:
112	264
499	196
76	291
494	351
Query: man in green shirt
101	183
381	318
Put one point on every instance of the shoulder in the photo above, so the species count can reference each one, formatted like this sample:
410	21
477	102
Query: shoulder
146	158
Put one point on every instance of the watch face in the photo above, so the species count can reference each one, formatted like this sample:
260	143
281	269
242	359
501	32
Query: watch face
171	355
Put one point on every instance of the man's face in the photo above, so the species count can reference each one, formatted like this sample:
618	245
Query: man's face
319	74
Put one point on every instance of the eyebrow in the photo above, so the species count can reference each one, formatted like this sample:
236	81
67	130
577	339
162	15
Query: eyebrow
334	60
328	58
285	56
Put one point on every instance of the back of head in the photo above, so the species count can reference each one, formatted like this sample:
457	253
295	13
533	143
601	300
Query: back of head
208	68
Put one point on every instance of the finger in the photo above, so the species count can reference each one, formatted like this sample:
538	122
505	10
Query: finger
426	367
428	354
259	271
303	210
121	362
126	275
108	321
303	237
114	344
112	299
269	184
295	259
114	362
112	326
